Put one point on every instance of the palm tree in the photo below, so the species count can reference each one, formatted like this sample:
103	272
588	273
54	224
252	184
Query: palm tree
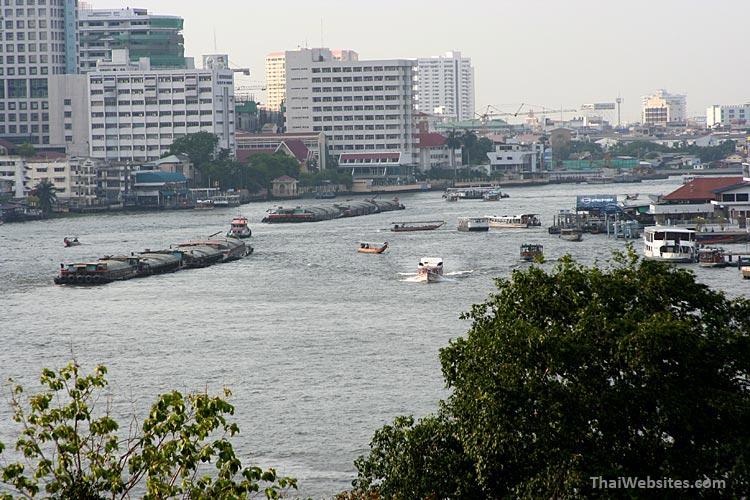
469	139
453	143
46	192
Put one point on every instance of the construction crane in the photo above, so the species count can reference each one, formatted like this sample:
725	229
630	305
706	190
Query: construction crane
488	115
544	111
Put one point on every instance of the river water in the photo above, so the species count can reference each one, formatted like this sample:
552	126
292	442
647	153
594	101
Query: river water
320	345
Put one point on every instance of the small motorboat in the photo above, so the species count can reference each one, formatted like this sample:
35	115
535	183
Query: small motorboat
430	269
239	228
71	242
530	251
712	257
571	234
366	247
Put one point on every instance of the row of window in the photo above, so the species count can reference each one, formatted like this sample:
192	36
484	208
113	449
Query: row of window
24	117
19	88
378	107
368	78
356	69
355	98
355	118
361	88
150	125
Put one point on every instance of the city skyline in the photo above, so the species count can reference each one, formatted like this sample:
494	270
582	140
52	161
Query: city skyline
545	54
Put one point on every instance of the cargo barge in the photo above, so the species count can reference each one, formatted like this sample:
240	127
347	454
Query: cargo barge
316	213
189	255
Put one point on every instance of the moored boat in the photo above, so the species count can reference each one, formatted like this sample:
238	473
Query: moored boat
670	244
571	234
712	257
473	224
430	269
530	251
520	221
239	228
367	247
429	225
204	204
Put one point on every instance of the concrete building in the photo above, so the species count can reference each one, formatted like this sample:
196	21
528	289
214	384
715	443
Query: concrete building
144	35
276	76
361	106
15	181
520	160
663	108
137	113
446	86
314	144
39	41
74	178
732	115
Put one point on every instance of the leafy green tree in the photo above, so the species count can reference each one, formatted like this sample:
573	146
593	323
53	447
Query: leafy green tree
71	449
46	193
632	369
199	147
26	150
468	139
263	168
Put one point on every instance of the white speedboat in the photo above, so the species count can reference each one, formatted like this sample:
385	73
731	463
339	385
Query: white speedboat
670	244
473	224
430	269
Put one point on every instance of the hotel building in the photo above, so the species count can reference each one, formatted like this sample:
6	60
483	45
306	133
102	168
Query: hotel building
446	86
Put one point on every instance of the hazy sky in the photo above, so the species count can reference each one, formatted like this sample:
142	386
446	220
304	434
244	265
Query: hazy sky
546	53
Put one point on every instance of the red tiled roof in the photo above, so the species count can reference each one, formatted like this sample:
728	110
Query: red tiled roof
700	188
370	156
431	140
244	154
298	149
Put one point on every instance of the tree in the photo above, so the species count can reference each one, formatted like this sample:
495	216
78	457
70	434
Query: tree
71	448
199	147
46	193
468	139
629	370
26	150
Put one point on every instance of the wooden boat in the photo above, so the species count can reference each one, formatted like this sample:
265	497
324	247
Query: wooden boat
571	234
712	257
71	242
429	225
367	247
520	221
530	251
239	228
670	244
204	204
430	269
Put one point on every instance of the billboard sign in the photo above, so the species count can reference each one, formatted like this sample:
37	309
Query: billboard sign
596	202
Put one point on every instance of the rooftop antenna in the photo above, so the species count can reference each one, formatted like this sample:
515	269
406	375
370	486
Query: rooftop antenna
215	46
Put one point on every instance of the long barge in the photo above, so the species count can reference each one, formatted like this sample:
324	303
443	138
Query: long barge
187	255
316	213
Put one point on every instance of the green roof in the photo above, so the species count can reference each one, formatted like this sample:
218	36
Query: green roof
156	177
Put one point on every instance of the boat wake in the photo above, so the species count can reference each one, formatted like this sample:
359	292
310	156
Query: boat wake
447	278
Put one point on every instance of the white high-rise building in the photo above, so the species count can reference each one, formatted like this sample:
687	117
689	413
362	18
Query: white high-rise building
39	39
446	86
735	114
276	75
361	106
664	108
136	113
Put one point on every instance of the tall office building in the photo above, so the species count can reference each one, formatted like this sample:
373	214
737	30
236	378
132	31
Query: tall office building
276	75
361	106
39	40
446	86
144	35
664	108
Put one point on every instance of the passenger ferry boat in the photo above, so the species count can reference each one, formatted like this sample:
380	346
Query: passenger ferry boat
430	269
473	224
670	244
514	221
712	257
239	228
530	251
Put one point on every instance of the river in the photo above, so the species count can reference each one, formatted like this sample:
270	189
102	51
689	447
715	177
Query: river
320	345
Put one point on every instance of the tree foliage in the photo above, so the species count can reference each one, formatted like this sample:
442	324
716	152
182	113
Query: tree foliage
26	150
46	193
647	149
71	449
200	147
629	370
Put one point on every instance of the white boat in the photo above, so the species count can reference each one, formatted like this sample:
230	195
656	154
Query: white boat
430	269
473	224
514	221
239	228
571	234
670	244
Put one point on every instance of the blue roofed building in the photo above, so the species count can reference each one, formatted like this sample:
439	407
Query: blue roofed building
155	189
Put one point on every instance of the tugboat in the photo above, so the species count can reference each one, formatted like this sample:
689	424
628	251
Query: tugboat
239	228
